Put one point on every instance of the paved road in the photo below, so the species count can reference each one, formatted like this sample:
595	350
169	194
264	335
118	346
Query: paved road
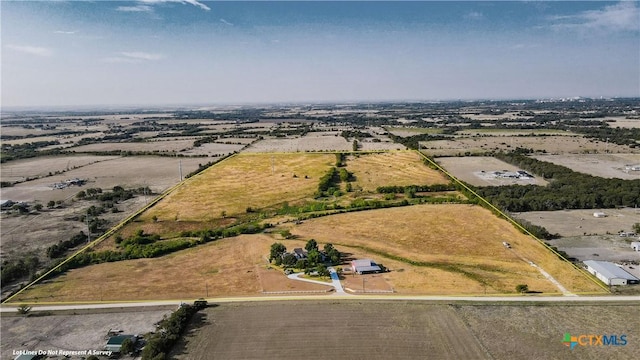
592	300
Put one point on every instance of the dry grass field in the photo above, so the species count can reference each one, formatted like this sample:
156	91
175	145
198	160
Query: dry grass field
405	330
601	165
551	144
393	168
464	236
224	268
469	169
244	181
313	141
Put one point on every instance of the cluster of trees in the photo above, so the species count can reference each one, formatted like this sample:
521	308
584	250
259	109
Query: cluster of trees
57	250
169	331
354	134
315	260
118	193
28	150
329	183
12	270
567	190
620	136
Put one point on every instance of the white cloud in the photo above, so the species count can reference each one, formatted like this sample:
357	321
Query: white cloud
31	50
142	55
64	32
134	57
137	8
226	22
622	16
192	2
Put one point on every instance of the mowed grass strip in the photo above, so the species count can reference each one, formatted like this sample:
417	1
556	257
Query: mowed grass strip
400	168
244	181
456	238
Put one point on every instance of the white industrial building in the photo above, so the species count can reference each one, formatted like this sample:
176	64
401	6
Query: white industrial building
609	273
635	245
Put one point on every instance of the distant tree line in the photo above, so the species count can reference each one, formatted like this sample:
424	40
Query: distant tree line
567	189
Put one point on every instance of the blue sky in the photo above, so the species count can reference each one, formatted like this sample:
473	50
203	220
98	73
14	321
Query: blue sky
170	52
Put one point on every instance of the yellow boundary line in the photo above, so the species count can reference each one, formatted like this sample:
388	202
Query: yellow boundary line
112	230
515	223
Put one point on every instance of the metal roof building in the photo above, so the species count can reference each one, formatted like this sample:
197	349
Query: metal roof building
365	266
609	273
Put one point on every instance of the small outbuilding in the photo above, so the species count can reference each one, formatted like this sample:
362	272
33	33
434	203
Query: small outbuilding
115	342
365	266
599	214
635	245
609	273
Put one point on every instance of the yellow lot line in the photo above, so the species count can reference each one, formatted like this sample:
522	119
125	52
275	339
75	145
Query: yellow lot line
455	179
168	191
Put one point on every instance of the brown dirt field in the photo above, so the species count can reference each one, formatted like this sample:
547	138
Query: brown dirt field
466	235
19	170
243	181
158	173
536	332
469	169
213	149
602	165
551	144
365	283
579	222
393	168
330	330
160	146
72	332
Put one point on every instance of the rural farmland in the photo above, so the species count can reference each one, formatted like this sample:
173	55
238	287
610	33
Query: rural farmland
405	330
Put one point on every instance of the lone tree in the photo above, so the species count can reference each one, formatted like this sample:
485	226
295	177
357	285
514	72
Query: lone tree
127	346
522	288
311	245
277	249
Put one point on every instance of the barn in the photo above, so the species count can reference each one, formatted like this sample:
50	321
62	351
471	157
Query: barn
609	273
365	266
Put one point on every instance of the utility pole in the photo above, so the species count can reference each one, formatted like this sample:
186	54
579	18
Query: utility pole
180	168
